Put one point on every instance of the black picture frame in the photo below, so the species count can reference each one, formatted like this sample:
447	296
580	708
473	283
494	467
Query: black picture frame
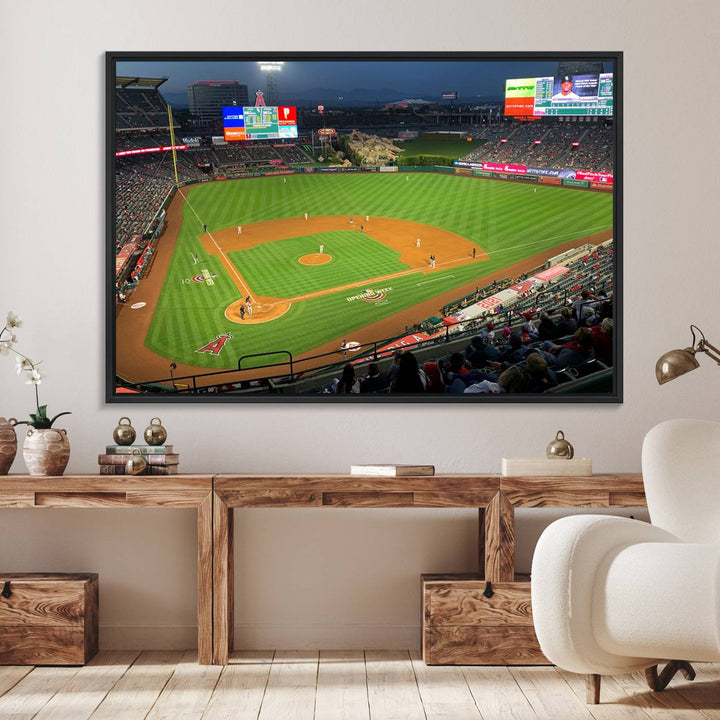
139	241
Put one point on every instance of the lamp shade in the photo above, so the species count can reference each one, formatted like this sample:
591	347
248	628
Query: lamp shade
675	363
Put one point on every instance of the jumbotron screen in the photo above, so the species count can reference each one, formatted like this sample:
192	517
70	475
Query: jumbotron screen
564	95
261	122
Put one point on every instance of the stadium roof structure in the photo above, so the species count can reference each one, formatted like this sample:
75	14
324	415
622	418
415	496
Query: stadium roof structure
126	81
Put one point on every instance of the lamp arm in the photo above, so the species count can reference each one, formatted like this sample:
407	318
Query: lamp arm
710	350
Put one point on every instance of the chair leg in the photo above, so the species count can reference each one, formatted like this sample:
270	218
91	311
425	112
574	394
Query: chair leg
660	682
592	689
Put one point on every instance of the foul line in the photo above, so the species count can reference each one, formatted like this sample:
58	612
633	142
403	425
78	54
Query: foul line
444	277
244	289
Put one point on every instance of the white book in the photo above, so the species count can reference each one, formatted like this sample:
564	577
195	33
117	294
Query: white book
392	470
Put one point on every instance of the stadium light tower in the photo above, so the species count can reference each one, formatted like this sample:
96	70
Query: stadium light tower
271	69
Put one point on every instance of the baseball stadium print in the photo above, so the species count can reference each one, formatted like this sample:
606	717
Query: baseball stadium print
381	227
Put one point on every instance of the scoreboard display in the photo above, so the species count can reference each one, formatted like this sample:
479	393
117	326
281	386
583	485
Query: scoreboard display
588	94
261	122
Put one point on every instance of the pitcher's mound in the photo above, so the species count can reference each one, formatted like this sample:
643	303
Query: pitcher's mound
315	259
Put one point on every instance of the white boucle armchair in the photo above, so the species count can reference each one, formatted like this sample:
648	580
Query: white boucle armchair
613	595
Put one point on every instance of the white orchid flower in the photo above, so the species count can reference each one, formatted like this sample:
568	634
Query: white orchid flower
35	377
23	364
5	347
13	320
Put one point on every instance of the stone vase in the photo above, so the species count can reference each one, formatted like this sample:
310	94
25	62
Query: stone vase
46	451
8	444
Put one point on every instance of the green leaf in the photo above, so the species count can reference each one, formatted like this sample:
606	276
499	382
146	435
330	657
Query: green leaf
67	412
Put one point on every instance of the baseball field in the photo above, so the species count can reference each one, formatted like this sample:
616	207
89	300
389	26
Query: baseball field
352	270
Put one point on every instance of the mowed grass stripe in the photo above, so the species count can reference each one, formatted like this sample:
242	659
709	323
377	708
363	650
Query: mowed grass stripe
273	269
508	220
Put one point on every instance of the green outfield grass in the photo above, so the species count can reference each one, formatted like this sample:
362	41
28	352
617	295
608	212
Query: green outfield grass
507	220
452	148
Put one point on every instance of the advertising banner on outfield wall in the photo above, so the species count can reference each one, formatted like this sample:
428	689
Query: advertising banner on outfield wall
575	183
550	180
500	167
551	172
388	168
594	176
605	187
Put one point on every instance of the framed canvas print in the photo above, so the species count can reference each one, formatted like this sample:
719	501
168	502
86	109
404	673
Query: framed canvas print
381	227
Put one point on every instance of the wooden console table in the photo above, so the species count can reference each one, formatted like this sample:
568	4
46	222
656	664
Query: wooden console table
215	497
495	497
126	491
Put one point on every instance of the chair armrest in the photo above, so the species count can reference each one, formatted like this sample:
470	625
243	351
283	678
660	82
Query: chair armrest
565	563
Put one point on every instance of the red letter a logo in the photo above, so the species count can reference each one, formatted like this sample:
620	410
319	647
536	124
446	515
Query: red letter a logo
216	345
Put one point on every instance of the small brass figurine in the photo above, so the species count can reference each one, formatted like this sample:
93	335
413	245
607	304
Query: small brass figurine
155	434
136	463
560	448
124	433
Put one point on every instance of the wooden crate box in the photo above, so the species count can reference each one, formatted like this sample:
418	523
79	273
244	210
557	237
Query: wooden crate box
461	626
48	618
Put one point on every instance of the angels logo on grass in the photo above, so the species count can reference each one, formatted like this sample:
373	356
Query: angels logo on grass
216	345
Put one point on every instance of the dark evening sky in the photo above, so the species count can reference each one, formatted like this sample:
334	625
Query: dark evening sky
419	78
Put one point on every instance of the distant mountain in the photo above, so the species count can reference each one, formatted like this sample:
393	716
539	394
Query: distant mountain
354	96
367	97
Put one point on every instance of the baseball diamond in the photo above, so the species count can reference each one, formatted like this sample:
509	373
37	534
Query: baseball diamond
287	283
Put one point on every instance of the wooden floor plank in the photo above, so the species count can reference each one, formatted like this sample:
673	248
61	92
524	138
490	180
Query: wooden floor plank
548	694
240	691
444	692
497	694
392	688
290	692
615	703
87	688
342	686
188	692
666	705
347	685
251	657
703	693
34	691
139	688
11	675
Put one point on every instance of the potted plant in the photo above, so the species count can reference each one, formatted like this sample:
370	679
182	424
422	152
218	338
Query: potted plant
46	449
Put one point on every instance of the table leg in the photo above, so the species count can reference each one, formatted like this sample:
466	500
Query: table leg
205	579
223	581
499	545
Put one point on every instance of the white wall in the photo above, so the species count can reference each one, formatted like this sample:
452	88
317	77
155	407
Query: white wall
331	578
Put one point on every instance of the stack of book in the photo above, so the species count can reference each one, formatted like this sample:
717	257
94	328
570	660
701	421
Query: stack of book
160	459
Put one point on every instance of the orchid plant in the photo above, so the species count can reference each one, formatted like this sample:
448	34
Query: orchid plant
25	366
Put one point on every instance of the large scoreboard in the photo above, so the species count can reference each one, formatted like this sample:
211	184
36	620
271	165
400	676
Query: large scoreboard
261	122
579	94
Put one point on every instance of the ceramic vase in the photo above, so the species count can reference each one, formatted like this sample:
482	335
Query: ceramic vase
46	451
8	445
